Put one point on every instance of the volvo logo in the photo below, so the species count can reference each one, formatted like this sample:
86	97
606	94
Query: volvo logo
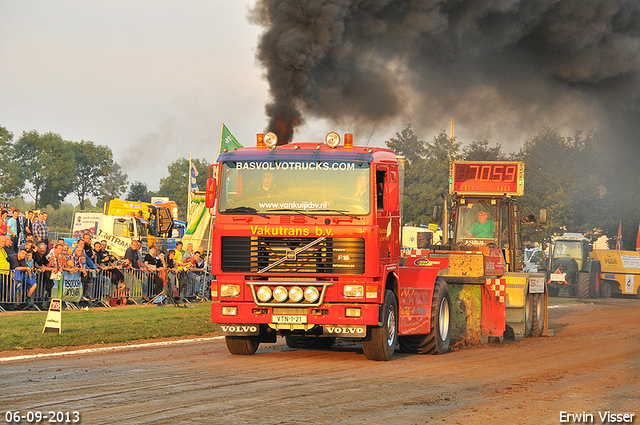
346	330
239	329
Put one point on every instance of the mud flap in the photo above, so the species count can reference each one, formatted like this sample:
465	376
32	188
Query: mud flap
517	284
493	308
466	313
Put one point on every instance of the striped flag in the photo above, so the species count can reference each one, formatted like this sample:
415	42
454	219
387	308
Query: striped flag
619	240
193	173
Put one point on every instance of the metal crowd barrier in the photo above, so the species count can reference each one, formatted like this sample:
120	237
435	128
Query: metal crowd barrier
109	288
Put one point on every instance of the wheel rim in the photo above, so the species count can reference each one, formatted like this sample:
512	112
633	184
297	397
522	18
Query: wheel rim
391	327
443	319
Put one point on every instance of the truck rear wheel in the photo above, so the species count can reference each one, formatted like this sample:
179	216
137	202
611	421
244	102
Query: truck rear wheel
384	338
583	285
242	345
538	315
312	342
438	341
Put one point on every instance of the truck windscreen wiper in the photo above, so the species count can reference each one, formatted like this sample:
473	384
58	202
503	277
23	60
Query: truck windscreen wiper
244	210
342	212
292	210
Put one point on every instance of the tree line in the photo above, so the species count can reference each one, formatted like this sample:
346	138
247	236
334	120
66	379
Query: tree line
46	169
588	183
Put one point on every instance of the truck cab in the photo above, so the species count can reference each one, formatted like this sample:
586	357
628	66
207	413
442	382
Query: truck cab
306	242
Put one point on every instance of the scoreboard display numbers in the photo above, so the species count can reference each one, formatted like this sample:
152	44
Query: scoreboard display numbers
487	177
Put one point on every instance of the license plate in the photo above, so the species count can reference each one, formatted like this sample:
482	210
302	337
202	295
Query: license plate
558	277
292	320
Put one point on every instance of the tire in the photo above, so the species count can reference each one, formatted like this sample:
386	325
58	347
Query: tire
538	315
572	290
583	285
384	338
594	280
310	342
553	291
605	289
438	340
529	308
242	345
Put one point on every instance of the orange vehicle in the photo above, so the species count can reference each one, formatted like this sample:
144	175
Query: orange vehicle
307	246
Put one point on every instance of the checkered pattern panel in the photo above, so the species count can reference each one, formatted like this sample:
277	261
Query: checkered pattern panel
498	287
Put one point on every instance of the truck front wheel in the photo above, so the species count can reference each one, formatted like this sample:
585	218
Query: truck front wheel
438	340
242	345
384	338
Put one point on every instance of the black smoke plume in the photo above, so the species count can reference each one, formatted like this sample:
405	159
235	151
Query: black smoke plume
504	66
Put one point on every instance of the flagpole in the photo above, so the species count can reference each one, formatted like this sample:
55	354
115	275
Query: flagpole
219	144
189	190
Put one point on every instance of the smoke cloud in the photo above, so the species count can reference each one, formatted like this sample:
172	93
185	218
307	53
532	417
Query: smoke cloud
499	66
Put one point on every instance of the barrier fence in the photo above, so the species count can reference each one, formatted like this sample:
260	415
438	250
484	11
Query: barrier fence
107	288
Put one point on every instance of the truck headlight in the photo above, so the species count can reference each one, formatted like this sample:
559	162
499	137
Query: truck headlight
264	293
229	290
280	294
271	140
353	291
296	294
311	294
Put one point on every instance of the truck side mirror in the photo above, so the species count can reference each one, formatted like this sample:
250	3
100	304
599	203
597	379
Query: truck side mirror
210	197
542	216
391	197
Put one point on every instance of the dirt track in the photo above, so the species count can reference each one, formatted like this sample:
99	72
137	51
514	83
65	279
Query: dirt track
591	364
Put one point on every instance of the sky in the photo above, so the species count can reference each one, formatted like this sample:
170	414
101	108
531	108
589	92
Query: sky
155	80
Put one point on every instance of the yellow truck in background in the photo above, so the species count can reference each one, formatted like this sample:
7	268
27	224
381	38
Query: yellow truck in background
123	221
619	272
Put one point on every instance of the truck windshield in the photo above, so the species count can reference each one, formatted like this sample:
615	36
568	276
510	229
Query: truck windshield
283	187
476	224
567	249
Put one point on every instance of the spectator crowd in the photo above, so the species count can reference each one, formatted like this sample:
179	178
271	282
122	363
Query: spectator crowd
27	260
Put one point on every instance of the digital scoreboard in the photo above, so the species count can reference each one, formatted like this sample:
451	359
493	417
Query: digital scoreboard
487	177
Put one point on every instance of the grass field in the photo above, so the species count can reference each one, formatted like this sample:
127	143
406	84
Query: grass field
20	331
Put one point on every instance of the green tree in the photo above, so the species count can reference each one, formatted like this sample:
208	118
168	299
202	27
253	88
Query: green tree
426	171
138	191
11	182
115	184
480	151
92	167
558	175
174	186
46	164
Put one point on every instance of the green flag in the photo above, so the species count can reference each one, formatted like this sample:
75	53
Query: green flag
228	141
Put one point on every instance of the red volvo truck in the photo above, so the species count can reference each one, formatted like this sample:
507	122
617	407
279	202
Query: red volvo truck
306	245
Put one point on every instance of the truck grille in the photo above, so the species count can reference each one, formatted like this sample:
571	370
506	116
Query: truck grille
244	254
